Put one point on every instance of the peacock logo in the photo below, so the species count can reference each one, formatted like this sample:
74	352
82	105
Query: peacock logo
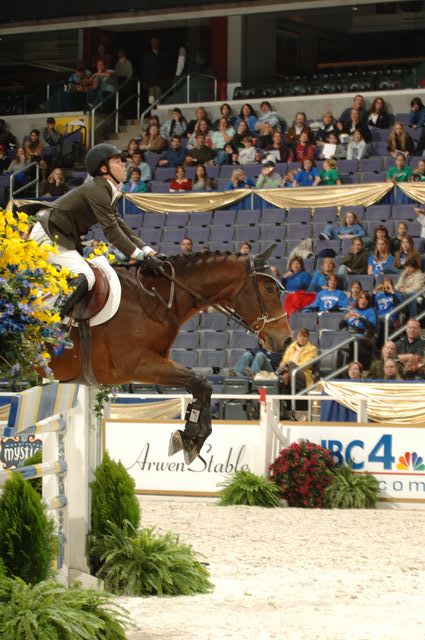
412	461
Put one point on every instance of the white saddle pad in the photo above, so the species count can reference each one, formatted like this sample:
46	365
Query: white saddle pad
114	297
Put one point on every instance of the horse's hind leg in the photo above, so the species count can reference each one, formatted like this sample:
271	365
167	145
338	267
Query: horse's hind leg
158	370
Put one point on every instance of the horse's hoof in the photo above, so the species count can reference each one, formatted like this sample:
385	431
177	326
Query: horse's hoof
190	452
176	443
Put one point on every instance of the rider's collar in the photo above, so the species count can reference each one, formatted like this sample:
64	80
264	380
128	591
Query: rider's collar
115	192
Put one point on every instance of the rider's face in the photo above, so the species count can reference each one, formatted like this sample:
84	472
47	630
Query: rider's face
117	168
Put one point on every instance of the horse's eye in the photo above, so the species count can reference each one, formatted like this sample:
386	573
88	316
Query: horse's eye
270	289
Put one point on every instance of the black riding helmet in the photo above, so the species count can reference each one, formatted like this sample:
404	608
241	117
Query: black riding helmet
100	154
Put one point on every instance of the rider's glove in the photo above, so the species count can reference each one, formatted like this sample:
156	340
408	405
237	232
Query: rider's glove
153	265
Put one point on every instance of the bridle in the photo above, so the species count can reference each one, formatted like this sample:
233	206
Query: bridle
252	271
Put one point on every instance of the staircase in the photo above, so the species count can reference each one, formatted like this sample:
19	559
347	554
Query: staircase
129	129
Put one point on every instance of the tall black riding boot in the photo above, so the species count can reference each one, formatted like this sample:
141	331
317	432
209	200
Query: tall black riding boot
80	288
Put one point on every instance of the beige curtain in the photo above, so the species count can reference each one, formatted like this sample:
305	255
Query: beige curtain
143	411
167	203
391	403
415	190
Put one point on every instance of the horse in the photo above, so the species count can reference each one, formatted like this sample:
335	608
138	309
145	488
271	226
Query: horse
134	345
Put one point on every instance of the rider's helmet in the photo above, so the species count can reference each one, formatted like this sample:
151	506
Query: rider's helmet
99	155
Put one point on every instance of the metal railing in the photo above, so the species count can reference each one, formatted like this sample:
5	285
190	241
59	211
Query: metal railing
35	181
116	111
400	307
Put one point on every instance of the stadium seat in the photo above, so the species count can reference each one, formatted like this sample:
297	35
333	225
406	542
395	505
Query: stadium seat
221	234
298	231
330	321
403	212
272	233
224	217
172	235
324	215
177	220
252	234
154	220
199	235
357	209
371	165
379	213
299	215
208	358
273	216
365	280
186	340
213	340
192	324
242	340
152	236
213	322
164	174
200	219
186	358
347	166
248	217
304	319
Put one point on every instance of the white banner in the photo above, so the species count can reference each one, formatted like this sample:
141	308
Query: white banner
394	454
142	447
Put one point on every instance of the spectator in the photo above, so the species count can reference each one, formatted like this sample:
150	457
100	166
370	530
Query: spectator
406	251
131	148
401	233
123	68
220	138
303	148
381	261
174	126
33	147
265	139
247	114
330	175
299	352
411	350
399	142
361	320
411	280
54	186
388	352
239	180
327	127
419	172
153	141
391	371
300	126
186	246
319	280
230	155
308	176
175	155
417	113
380	232
355	262
420	217
268	116
354	293
355	370
333	148
155	71
245	248
329	299
78	85
135	184
400	171
19	162
200	153
4	159
385	300
355	123
153	119
247	155
359	104
357	147
288	180
180	182
250	363
241	132
225	112
268	178
6	137
200	116
137	162
51	135
102	84
348	229
201	181
296	278
278	148
203	129
103	56
378	115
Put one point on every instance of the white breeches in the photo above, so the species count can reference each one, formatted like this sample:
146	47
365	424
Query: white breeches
69	258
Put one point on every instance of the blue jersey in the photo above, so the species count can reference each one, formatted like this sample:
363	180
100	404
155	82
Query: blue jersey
298	281
367	314
329	301
318	281
385	302
380	266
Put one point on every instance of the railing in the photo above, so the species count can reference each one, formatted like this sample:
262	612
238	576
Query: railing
400	307
116	111
13	193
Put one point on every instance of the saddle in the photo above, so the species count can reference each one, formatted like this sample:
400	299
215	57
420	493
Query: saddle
95	299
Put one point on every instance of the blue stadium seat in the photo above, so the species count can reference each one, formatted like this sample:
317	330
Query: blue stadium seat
154	220
350	179
233	355
298	231
164	174
248	217
224	217
273	216
192	324
151	236
330	321
242	340
371	165
381	149
186	340
366	178
253	170
177	220
200	219
300	214
226	170
347	166
212	171
324	215
133	220
213	322
211	358
152	158
159	187
272	233
357	209
172	235
403	212
378	212
221	234
199	235
185	358
334	245
371	226
365	280
380	135
306	320
213	340
252	234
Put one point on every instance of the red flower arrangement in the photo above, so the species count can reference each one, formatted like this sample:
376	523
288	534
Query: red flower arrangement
302	472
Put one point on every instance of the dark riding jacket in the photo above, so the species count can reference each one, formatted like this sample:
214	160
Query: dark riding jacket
76	212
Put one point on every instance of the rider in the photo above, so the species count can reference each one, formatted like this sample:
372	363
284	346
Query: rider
76	212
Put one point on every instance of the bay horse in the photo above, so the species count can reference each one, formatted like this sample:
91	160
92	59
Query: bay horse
134	345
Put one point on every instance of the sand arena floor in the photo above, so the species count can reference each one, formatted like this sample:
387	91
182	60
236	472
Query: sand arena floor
291	574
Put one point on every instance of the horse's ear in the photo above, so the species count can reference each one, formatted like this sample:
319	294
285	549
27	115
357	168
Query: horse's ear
262	258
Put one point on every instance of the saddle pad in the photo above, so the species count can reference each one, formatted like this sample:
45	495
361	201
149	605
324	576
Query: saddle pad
114	298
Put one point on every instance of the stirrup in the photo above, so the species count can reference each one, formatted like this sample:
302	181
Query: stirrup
67	343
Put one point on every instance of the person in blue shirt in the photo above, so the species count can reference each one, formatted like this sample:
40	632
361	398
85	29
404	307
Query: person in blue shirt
348	229
362	320
308	175
320	277
296	278
381	261
239	180
417	113
175	154
386	299
330	299
248	115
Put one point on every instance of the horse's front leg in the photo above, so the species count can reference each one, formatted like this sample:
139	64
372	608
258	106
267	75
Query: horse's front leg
159	370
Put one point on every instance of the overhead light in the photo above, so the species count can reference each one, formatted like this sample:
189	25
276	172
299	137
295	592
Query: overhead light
354	8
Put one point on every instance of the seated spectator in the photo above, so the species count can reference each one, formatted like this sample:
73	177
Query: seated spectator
391	371
411	281
385	299
202	129
239	180
250	363
245	248
348	229
380	232
330	174
268	116
355	370
175	155
265	137
103	55
355	262
308	176
54	186
102	84
19	162
247	114
174	126
400	171
200	115
354	293
303	148
299	352
268	178
399	142
333	148
131	148
319	280
288	179
4	159
300	126
225	112
186	246
180	182
33	147
6	138
388	352
401	232
230	154
357	147
137	162
406	251
359	104
78	85
201	181
417	113
135	184
327	127
419	172
123	68
411	351
278	148
361	320
241	132
381	261
355	123
247	155
220	138
153	141
153	119
330	299
378	115
200	153
296	278
50	134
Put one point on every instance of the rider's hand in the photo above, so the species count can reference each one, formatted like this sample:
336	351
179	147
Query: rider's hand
153	264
